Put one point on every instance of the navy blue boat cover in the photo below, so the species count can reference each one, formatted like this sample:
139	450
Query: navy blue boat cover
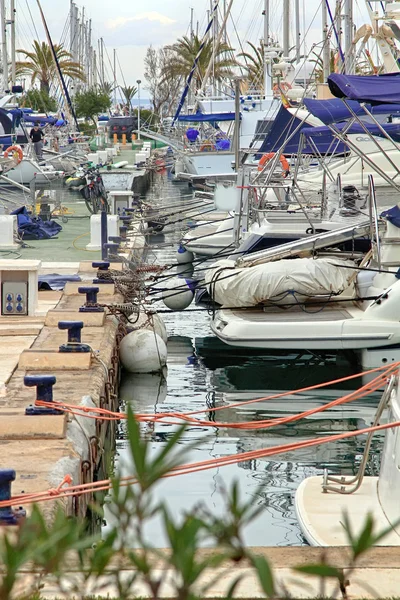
284	125
334	110
33	228
392	129
210	118
376	89
392	215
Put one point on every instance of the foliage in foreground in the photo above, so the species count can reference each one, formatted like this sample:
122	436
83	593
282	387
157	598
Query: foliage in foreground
51	550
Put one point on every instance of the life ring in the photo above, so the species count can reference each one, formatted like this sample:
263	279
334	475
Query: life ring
207	147
16	152
268	156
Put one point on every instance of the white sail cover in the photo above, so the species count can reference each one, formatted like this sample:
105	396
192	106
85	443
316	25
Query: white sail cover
280	281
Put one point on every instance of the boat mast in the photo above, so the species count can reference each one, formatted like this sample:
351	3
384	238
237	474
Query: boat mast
348	35
267	58
216	43
326	52
89	54
4	45
94	69
12	24
286	27
298	34
191	24
101	59
115	77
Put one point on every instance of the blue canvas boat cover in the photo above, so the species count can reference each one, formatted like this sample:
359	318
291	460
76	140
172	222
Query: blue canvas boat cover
376	89
334	110
392	215
34	228
39	119
55	281
210	118
284	125
392	129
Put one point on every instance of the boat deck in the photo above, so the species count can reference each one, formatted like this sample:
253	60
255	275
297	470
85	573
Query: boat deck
321	514
295	313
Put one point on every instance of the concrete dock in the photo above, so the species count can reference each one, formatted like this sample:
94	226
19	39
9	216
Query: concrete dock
43	449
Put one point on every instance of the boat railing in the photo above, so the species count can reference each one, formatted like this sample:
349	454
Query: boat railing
374	220
351	485
339	189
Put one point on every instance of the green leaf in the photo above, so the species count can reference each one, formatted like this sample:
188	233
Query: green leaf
320	570
233	586
138	450
265	575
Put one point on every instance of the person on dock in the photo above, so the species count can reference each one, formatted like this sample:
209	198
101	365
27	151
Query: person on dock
37	136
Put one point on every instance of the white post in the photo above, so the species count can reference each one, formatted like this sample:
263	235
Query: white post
138	83
4	44
12	23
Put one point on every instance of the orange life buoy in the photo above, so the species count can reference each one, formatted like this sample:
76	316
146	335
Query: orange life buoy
268	156
207	147
16	152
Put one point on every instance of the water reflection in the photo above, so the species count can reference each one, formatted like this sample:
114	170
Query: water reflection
204	373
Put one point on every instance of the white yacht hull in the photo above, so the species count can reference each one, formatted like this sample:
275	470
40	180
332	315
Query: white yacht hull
338	329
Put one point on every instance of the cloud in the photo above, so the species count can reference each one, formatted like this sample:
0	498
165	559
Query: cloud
147	16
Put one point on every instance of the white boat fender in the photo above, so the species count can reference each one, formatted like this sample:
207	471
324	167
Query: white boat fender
156	323
185	270
184	256
143	351
178	293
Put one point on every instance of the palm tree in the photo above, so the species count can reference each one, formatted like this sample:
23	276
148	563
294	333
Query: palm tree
41	66
105	87
254	64
128	92
184	52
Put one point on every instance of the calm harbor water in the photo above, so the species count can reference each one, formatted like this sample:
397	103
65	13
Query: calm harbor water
203	372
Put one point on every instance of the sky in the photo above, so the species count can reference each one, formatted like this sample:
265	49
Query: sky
135	24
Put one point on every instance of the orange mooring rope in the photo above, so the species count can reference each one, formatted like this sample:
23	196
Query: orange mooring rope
66	489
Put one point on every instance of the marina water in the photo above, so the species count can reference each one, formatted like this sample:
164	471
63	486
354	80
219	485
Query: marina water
203	372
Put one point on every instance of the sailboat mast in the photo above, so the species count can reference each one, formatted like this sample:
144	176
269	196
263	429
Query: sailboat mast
267	66
4	44
326	52
12	23
348	34
297	21
286	27
115	77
